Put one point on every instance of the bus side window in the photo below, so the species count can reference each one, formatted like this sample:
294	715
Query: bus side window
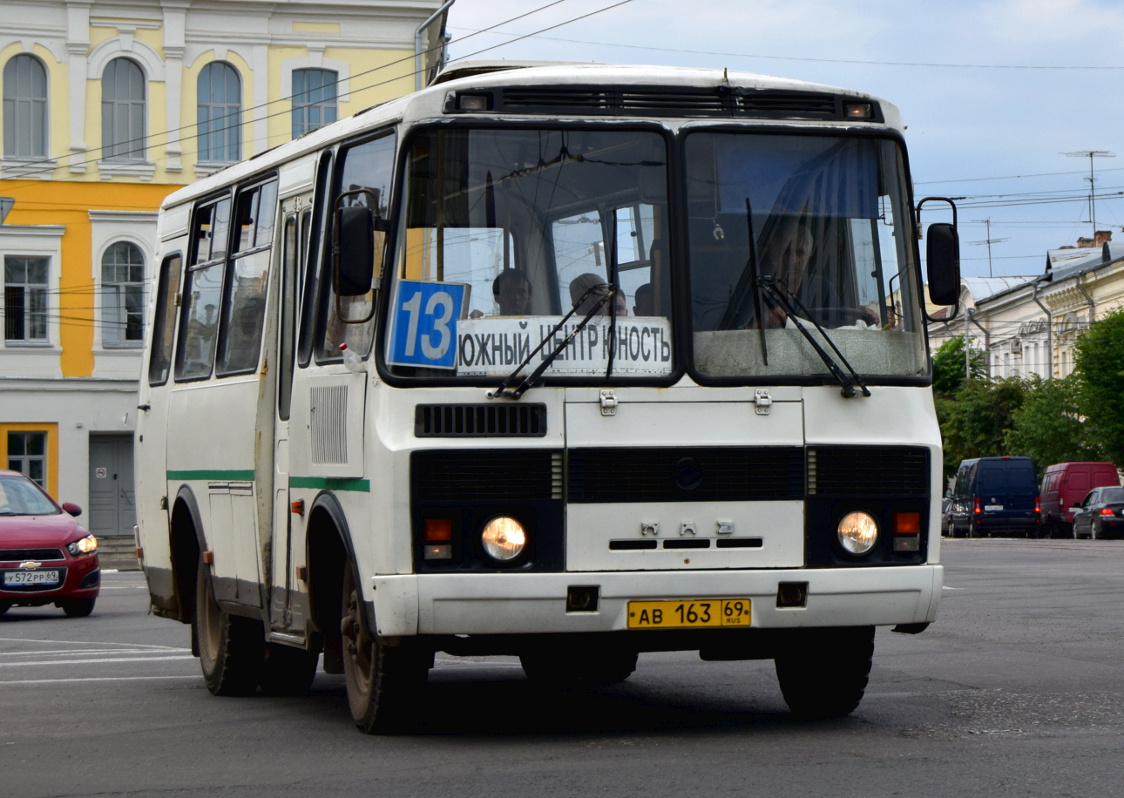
163	333
202	291
244	300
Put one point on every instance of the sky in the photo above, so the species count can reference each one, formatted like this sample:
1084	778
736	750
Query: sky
994	93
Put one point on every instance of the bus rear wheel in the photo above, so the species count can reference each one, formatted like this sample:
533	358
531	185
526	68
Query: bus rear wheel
823	673
384	682
231	649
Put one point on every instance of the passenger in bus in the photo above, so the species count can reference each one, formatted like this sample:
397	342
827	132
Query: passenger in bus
645	301
580	287
512	291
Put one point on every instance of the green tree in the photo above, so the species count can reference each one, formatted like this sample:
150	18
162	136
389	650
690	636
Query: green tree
1048	427
948	366
976	420
1099	363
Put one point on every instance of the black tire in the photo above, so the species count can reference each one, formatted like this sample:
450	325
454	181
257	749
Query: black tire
5	606
385	683
568	667
824	672
231	649
287	671
78	608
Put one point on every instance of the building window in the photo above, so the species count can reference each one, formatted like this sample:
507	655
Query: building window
25	108
220	113
25	299
122	284
314	99
122	111
27	453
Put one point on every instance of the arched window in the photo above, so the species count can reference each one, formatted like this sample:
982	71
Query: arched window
25	108
314	99
122	111
122	285
220	113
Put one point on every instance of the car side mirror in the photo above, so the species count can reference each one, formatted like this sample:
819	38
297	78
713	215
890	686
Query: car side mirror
72	508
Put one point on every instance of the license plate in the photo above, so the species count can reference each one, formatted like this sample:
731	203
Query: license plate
31	577
688	614
993	507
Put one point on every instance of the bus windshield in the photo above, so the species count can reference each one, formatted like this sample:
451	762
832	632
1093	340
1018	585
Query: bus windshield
505	231
790	230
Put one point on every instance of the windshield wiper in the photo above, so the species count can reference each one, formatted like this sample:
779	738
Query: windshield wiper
780	296
749	281
506	391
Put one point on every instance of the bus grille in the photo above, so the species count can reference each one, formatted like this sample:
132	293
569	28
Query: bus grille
692	474
478	421
897	472
329	424
485	475
672	102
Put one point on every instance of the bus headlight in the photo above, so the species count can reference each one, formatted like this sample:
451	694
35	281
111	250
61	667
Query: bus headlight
504	538
858	532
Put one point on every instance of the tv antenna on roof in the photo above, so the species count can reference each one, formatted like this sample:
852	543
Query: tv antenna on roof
1091	154
989	241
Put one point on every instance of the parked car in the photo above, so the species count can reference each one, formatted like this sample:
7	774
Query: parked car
994	495
45	556
1100	514
1064	485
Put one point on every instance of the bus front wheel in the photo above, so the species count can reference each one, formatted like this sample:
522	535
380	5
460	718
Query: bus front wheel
231	649
384	682
823	673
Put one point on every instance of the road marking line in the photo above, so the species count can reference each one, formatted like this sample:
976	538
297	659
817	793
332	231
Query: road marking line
98	679
93	661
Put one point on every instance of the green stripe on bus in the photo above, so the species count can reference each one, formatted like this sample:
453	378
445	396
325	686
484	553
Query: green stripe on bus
330	483
211	476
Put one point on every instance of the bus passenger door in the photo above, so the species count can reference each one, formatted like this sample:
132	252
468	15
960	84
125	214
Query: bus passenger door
285	615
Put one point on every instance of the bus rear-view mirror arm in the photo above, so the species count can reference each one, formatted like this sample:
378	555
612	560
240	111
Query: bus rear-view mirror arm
942	257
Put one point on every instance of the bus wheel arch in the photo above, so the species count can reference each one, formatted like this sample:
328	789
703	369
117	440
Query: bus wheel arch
186	545
328	548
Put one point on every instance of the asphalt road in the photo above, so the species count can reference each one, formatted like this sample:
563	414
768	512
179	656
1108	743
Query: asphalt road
1018	690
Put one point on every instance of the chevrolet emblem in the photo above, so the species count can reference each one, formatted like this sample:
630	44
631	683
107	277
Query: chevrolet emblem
30	564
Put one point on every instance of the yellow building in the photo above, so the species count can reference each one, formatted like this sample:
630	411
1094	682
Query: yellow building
108	106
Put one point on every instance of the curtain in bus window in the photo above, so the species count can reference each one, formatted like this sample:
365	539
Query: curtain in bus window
366	168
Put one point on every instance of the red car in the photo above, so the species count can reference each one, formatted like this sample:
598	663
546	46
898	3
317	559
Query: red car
45	556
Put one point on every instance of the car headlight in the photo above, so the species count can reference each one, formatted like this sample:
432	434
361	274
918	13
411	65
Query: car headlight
504	538
858	532
87	545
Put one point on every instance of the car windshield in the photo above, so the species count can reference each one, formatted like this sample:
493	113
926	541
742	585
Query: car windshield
808	226
21	496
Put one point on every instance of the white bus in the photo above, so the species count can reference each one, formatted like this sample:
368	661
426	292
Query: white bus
567	363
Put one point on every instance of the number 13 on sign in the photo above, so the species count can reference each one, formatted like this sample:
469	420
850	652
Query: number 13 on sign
424	324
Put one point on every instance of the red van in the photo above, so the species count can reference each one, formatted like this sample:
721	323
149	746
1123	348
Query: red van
1064	485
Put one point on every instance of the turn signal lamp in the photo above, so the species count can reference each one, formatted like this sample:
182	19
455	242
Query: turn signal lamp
473	102
438	539
907	531
858	110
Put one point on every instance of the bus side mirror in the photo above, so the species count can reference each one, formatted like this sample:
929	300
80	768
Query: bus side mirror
942	263
354	267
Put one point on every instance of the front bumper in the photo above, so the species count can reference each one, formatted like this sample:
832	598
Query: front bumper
535	603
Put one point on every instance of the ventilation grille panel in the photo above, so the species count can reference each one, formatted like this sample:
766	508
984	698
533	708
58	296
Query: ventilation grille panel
480	421
329	424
